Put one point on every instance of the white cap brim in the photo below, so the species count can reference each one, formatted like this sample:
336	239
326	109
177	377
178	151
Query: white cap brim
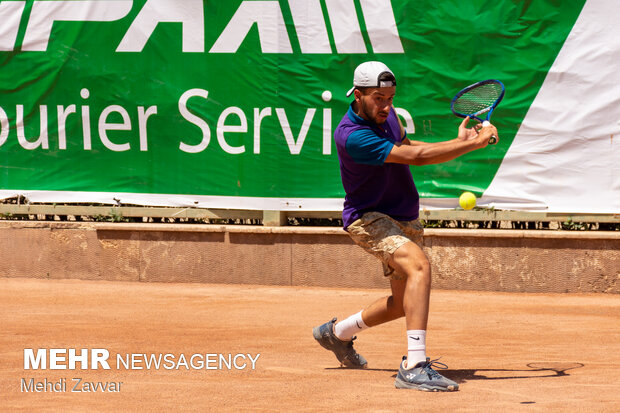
350	91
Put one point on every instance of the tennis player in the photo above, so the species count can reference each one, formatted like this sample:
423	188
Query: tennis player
380	214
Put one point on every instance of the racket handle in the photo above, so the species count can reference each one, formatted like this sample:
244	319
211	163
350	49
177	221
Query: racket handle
493	138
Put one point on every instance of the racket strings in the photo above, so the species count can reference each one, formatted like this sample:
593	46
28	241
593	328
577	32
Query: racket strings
477	99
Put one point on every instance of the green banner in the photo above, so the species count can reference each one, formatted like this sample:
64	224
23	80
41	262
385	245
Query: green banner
240	98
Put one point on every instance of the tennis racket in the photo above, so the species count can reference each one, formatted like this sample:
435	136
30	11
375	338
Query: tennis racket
477	100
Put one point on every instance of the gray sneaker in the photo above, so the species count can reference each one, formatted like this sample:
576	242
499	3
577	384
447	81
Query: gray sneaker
344	351
423	377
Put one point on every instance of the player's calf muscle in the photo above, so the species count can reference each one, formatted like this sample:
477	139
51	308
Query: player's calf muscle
395	308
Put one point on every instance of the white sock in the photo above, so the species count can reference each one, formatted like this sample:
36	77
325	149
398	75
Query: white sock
347	328
416	347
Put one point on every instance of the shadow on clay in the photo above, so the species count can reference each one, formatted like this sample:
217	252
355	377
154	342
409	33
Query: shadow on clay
534	370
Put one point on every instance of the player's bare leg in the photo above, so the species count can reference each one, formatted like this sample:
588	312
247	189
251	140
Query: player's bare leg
386	308
410	296
410	260
416	371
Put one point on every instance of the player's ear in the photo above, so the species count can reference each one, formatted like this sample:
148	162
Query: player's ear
357	93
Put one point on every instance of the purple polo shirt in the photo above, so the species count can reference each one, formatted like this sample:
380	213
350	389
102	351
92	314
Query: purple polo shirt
369	182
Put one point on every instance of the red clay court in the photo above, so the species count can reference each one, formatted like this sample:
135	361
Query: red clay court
509	352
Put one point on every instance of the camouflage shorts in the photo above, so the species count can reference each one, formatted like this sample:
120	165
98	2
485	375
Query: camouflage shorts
381	235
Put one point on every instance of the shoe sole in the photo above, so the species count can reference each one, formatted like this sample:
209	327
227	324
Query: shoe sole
400	384
317	336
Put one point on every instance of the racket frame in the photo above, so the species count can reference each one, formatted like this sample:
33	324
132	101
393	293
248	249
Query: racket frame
488	110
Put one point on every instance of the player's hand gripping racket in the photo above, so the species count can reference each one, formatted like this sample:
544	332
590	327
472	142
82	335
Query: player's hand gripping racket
479	99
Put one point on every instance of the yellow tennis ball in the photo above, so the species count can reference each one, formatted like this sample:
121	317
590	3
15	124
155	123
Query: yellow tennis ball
467	200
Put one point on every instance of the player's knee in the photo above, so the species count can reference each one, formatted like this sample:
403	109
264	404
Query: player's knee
419	267
420	273
412	262
422	266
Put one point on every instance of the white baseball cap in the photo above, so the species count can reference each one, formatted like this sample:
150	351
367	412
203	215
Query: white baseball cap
369	74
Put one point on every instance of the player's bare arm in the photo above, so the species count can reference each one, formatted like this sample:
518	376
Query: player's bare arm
420	153
464	133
